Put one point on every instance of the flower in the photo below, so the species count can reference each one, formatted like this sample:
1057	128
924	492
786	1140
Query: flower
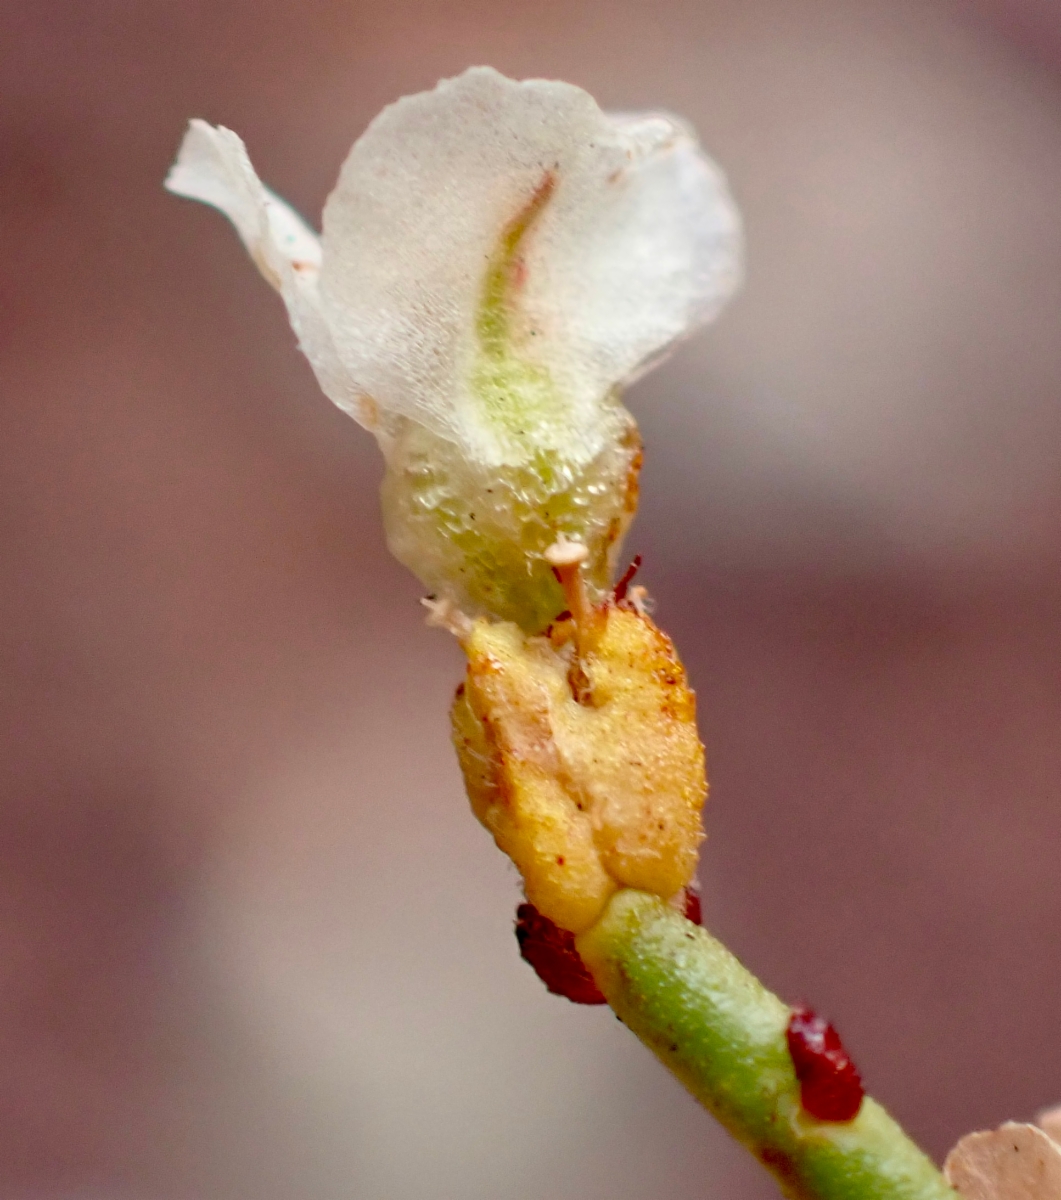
497	260
1013	1162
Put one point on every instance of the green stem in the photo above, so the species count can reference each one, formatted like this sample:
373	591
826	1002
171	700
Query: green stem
723	1034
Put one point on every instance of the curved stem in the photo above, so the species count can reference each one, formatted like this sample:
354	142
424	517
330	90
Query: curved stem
722	1033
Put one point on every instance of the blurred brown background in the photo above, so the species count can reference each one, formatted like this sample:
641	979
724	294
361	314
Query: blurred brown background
252	944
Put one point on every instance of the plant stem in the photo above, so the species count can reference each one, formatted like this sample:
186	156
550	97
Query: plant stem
722	1033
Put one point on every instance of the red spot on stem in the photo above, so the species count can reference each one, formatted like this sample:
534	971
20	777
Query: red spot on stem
551	951
691	908
829	1085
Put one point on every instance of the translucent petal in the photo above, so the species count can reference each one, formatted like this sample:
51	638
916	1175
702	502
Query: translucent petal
213	166
1014	1162
662	256
620	236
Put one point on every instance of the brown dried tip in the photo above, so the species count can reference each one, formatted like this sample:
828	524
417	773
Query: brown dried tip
628	577
551	951
829	1084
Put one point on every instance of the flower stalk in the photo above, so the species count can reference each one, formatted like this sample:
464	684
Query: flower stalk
722	1033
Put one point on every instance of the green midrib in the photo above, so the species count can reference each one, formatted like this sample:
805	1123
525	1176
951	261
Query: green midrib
518	397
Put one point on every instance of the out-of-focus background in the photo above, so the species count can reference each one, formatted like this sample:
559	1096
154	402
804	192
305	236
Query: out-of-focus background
252	943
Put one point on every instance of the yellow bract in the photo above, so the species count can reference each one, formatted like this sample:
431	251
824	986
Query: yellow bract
581	756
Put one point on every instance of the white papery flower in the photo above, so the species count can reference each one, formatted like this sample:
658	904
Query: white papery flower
497	260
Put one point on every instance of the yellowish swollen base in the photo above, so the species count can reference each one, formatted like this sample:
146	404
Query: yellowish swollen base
581	756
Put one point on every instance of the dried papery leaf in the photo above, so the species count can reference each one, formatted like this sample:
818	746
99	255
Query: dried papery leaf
1049	1121
1013	1162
